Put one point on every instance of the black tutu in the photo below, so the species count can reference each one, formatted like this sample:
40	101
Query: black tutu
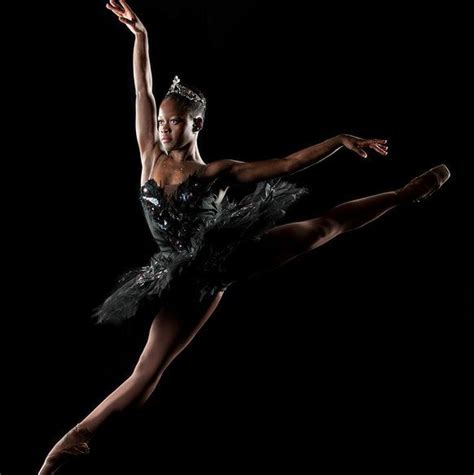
196	234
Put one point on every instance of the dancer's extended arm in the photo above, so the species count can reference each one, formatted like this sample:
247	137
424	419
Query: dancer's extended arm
235	171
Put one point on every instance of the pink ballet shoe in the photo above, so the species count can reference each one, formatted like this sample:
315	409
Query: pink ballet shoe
424	185
71	446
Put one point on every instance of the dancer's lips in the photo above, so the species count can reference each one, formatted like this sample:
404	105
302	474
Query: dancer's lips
166	139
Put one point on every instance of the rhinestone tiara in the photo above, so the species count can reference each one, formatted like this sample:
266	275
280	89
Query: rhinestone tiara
178	88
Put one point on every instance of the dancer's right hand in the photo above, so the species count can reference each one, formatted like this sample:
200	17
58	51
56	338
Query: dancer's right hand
126	15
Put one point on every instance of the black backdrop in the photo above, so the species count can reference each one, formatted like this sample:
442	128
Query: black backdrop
355	355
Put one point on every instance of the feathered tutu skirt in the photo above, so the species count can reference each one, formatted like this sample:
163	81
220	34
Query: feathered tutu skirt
197	234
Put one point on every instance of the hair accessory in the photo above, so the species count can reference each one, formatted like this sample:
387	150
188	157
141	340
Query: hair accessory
178	88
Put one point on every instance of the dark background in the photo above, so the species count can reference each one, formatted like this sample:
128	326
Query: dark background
354	356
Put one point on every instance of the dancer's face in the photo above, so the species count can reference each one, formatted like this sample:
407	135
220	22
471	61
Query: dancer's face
175	125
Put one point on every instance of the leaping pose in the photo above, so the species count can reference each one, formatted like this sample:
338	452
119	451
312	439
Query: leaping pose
206	241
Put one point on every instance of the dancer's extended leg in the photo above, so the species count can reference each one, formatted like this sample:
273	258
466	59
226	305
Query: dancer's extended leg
288	241
171	331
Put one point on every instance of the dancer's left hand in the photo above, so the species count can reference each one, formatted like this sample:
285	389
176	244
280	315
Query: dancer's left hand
357	145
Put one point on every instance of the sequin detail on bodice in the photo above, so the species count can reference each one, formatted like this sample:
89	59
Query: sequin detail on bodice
174	218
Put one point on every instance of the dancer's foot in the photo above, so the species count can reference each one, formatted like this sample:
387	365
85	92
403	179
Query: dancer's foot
72	445
424	185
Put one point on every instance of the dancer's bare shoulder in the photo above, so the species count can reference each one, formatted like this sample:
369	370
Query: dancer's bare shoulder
220	169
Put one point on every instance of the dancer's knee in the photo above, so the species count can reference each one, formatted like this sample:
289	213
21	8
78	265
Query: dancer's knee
342	219
324	229
147	371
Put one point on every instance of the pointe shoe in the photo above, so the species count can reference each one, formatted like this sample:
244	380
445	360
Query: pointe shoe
424	185
72	445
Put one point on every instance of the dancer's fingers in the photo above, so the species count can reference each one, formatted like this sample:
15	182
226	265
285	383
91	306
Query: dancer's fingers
379	149
126	20
119	13
126	7
361	152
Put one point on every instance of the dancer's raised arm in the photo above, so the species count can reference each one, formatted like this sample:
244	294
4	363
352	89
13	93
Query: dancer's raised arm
146	112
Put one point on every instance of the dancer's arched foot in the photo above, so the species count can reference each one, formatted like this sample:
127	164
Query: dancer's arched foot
424	185
72	445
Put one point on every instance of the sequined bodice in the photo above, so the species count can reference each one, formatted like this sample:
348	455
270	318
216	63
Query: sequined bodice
174	217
